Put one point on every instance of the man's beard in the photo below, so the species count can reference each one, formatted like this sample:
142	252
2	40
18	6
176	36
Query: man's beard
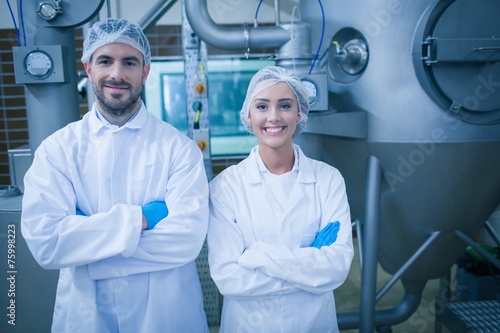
116	106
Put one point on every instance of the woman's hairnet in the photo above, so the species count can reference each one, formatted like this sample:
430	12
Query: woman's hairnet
265	78
116	31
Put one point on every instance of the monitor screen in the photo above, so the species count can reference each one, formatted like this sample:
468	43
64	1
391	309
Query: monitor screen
227	83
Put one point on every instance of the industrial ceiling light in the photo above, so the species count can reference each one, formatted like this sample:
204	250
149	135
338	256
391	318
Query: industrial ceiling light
49	10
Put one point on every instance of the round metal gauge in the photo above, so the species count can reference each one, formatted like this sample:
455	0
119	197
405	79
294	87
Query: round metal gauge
38	64
312	90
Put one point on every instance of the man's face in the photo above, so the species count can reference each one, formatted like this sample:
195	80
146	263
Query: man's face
118	74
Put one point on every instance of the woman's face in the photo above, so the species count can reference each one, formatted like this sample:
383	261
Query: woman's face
274	113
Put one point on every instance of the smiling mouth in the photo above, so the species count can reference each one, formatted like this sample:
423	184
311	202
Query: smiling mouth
113	87
274	130
116	86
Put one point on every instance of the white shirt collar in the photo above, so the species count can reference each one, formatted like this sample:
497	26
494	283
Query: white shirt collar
263	168
98	122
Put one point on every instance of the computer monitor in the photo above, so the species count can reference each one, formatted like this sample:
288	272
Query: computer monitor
227	83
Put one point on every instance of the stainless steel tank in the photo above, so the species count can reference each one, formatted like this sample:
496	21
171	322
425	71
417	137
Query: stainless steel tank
426	76
433	121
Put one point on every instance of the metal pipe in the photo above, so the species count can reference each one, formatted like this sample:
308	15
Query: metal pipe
492	232
402	311
243	38
407	265
485	254
277	12
370	237
155	13
359	231
62	98
108	9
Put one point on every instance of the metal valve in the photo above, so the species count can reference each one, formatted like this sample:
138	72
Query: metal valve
352	56
348	55
49	10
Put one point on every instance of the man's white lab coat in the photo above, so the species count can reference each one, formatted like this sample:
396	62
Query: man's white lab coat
113	276
259	253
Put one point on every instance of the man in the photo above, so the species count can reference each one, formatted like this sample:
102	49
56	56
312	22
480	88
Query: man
118	201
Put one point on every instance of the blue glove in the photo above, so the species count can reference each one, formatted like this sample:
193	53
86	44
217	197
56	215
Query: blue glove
327	236
154	212
79	212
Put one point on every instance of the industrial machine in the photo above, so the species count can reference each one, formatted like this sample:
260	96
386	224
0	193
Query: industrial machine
426	177
405	102
411	119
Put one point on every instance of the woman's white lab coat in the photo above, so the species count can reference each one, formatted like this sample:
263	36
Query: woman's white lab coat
259	253
113	276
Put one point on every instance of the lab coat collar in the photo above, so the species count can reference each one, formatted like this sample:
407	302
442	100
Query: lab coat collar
98	123
255	165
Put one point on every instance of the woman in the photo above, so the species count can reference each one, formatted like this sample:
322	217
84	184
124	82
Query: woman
270	261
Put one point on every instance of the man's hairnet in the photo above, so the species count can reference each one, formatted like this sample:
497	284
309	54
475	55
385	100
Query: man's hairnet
116	31
265	78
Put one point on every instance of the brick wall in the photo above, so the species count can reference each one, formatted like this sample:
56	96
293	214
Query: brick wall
13	123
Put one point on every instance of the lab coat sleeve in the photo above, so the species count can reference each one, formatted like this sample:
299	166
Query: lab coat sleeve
311	269
225	246
56	236
177	239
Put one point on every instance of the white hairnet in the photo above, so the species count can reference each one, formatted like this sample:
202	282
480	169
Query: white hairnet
265	78
116	31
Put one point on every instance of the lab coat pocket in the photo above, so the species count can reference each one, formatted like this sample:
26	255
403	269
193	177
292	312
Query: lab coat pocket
306	240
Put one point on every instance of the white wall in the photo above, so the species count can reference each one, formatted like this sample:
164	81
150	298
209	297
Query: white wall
222	11
5	18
